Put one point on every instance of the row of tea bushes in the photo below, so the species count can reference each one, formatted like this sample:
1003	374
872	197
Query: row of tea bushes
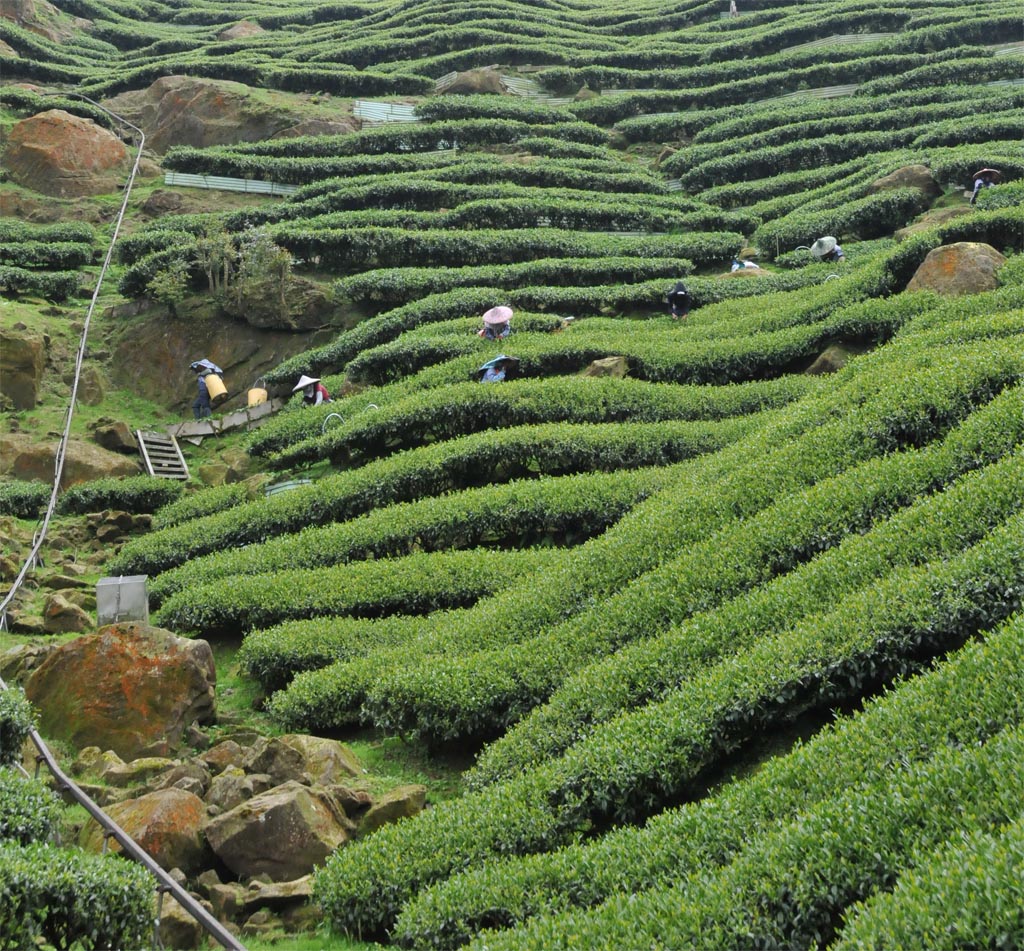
480	459
480	691
960	703
932	526
647	759
556	511
413	584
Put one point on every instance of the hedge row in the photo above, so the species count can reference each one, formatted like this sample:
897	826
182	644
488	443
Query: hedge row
880	415
480	459
463	408
56	286
206	501
933	525
24	499
961	703
132	494
41	254
413	584
68	898
653	756
403	285
791	886
516	515
480	691
956	896
16	230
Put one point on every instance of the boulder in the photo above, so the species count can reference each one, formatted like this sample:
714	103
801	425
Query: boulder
616	367
26	457
240	30
473	81
22	358
226	753
168	824
931	219
910	176
277	895
178	928
18	662
131	688
966	267
137	772
283	833
61	616
65	156
187	110
400	803
307	759
115	436
833	358
92	387
233	787
43	19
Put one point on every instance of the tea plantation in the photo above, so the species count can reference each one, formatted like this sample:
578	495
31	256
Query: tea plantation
734	640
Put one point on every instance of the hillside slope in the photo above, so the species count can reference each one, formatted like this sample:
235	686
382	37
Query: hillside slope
734	639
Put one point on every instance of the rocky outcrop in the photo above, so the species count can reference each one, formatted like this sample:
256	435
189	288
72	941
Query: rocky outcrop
966	267
473	81
313	759
400	803
833	359
25	457
61	616
43	19
935	218
65	156
616	367
130	688
284	832
910	176
184	110
168	824
240	30
114	436
22	358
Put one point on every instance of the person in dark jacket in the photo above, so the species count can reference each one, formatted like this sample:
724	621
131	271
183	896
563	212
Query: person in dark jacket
678	301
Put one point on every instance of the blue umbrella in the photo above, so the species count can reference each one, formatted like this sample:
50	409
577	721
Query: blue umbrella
212	367
501	357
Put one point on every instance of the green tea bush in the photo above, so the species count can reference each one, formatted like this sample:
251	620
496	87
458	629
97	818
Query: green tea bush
67	898
29	811
140	494
17	720
206	501
24	499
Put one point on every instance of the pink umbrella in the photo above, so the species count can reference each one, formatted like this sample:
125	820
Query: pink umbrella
498	315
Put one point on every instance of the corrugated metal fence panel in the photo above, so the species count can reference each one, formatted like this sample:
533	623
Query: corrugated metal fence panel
840	39
822	92
187	180
370	111
1009	49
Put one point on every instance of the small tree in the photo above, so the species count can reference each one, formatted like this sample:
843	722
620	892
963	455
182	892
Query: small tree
262	266
216	255
171	285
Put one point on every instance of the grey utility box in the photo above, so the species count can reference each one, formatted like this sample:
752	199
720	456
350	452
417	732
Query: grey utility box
122	599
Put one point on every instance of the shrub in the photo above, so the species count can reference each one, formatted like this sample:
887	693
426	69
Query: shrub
24	499
132	494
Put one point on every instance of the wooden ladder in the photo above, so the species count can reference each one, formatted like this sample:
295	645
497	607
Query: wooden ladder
161	455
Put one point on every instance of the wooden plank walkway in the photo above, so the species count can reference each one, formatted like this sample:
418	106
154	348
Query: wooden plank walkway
195	430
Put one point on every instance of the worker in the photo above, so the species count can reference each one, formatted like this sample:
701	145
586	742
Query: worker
739	265
201	404
827	249
678	300
313	391
496	323
986	178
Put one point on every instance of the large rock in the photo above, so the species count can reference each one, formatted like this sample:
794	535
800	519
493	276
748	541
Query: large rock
168	824
25	457
114	436
61	616
307	759
43	19
400	803
131	688
616	367
966	267
240	30
65	156
283	833
183	110
474	81
22	358
910	176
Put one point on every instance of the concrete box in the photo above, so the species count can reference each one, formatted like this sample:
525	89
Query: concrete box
123	598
